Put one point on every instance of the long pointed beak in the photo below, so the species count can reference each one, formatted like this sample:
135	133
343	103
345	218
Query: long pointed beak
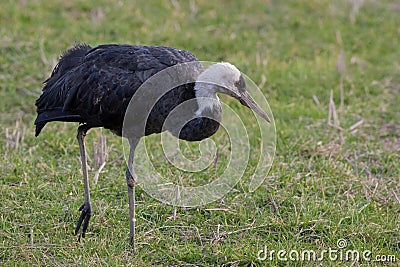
249	102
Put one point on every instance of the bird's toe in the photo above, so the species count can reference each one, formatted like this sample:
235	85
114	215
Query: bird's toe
86	212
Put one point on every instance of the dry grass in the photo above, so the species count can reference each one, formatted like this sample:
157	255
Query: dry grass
330	70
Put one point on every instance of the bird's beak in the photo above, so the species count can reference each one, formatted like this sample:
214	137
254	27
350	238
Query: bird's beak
246	100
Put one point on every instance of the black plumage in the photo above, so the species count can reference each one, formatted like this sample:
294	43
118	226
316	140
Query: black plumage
93	86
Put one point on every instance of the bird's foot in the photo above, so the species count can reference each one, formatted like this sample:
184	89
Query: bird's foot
86	210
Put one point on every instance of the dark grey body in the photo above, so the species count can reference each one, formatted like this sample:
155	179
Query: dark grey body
93	86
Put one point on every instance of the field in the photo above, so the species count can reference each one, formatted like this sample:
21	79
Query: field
331	73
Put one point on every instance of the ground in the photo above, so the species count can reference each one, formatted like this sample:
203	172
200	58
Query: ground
331	73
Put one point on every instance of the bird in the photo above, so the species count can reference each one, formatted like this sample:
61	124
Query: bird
94	85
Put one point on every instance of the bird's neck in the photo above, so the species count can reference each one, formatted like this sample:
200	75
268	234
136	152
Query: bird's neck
206	118
206	97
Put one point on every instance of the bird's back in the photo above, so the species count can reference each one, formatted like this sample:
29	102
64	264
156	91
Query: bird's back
94	85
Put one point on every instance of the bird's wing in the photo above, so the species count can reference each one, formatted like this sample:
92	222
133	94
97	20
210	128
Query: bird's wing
99	88
139	58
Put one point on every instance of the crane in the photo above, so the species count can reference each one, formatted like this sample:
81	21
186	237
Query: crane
93	86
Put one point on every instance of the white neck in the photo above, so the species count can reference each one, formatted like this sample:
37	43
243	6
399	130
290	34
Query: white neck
206	96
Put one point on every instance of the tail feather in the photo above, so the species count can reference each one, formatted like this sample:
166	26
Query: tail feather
39	128
68	60
52	100
54	115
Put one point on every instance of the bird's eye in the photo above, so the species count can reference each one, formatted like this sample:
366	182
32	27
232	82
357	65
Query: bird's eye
240	84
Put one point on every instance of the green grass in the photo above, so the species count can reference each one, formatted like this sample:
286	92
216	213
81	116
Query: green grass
327	183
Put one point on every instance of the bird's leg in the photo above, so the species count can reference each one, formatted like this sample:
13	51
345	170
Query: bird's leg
86	208
130	180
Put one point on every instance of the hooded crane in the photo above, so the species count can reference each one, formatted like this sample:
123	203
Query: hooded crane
93	86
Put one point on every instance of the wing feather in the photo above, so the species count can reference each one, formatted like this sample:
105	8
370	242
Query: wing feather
95	85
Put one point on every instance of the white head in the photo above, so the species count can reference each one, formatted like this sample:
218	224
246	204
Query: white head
224	78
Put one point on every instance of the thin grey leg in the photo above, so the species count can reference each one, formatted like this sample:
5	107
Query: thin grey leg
130	181
86	208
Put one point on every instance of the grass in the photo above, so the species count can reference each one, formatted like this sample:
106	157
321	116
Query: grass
328	181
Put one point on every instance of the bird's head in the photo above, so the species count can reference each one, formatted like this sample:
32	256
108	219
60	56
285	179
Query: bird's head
229	80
